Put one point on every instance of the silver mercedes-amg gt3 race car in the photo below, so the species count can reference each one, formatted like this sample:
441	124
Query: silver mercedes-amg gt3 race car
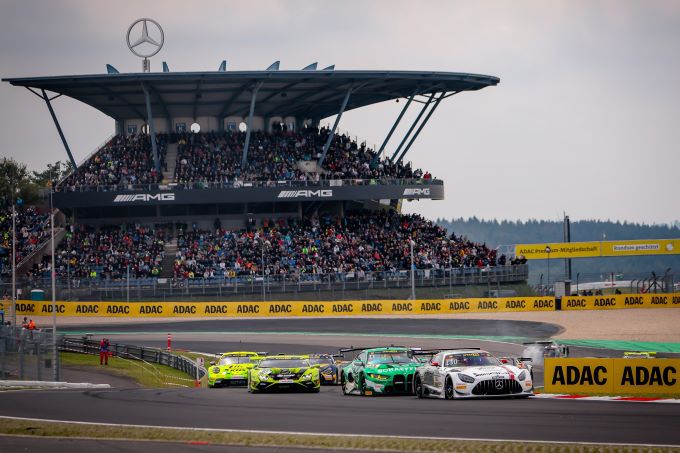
470	373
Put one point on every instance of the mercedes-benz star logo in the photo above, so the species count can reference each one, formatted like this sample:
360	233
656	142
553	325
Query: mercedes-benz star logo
145	38
499	384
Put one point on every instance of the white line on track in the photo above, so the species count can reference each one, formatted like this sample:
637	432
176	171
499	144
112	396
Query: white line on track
298	433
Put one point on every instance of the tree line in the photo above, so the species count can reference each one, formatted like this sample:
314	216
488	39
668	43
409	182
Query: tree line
505	233
17	182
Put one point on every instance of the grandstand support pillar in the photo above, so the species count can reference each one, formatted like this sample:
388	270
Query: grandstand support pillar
249	123
335	126
420	128
413	126
58	126
394	126
152	128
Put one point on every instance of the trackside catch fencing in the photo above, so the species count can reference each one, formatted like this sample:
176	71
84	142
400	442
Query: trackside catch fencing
612	376
332	286
27	354
141	354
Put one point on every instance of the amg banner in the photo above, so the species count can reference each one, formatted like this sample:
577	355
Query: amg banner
284	193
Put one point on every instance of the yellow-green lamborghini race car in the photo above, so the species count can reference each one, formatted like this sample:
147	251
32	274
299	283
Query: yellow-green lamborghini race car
232	368
284	373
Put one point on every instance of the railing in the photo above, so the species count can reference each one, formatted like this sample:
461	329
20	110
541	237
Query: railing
27	354
86	345
431	283
251	185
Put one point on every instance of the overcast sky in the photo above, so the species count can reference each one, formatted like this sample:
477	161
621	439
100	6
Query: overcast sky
586	118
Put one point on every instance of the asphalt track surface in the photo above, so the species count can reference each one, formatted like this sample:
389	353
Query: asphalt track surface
387	326
330	411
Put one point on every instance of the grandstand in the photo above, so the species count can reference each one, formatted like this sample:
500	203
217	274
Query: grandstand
225	181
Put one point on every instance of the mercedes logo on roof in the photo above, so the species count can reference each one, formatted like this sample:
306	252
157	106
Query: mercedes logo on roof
154	40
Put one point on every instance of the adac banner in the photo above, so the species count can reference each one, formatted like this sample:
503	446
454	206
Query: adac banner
614	301
598	249
292	308
612	376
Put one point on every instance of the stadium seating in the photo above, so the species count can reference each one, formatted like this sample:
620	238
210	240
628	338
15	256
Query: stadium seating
357	242
32	230
214	159
107	252
124	160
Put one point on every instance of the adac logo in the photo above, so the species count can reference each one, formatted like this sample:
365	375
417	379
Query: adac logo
325	193
417	192
144	197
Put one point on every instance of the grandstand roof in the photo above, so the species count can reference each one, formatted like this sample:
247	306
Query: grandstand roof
306	93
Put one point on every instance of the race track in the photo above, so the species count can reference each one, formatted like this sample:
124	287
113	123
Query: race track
330	411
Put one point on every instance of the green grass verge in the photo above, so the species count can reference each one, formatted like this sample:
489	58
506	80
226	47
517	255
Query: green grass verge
145	374
377	443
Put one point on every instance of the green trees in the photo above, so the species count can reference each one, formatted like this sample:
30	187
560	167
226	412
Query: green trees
18	183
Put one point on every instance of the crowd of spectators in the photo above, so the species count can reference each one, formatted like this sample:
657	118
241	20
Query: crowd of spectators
32	229
124	160
215	158
106	252
358	242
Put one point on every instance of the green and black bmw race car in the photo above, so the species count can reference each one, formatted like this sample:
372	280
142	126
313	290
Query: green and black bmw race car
382	371
284	373
232	368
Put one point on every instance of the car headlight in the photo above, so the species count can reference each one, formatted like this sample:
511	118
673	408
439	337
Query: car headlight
307	377
215	370
379	377
263	375
466	378
522	376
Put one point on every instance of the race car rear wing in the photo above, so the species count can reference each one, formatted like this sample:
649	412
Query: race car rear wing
353	349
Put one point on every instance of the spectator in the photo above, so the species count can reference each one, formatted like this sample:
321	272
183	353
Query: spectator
104	346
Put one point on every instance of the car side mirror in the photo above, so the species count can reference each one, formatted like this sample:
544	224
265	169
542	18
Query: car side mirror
316	365
435	363
358	363
212	363
504	360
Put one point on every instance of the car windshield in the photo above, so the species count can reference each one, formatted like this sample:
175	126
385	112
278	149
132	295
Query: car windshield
470	359
233	360
377	358
321	360
284	363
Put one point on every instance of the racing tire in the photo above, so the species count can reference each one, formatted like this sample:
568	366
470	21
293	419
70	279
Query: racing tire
418	386
342	384
250	389
448	389
361	383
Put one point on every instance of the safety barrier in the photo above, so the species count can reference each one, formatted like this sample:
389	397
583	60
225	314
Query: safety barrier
293	308
612	376
616	301
346	308
85	345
